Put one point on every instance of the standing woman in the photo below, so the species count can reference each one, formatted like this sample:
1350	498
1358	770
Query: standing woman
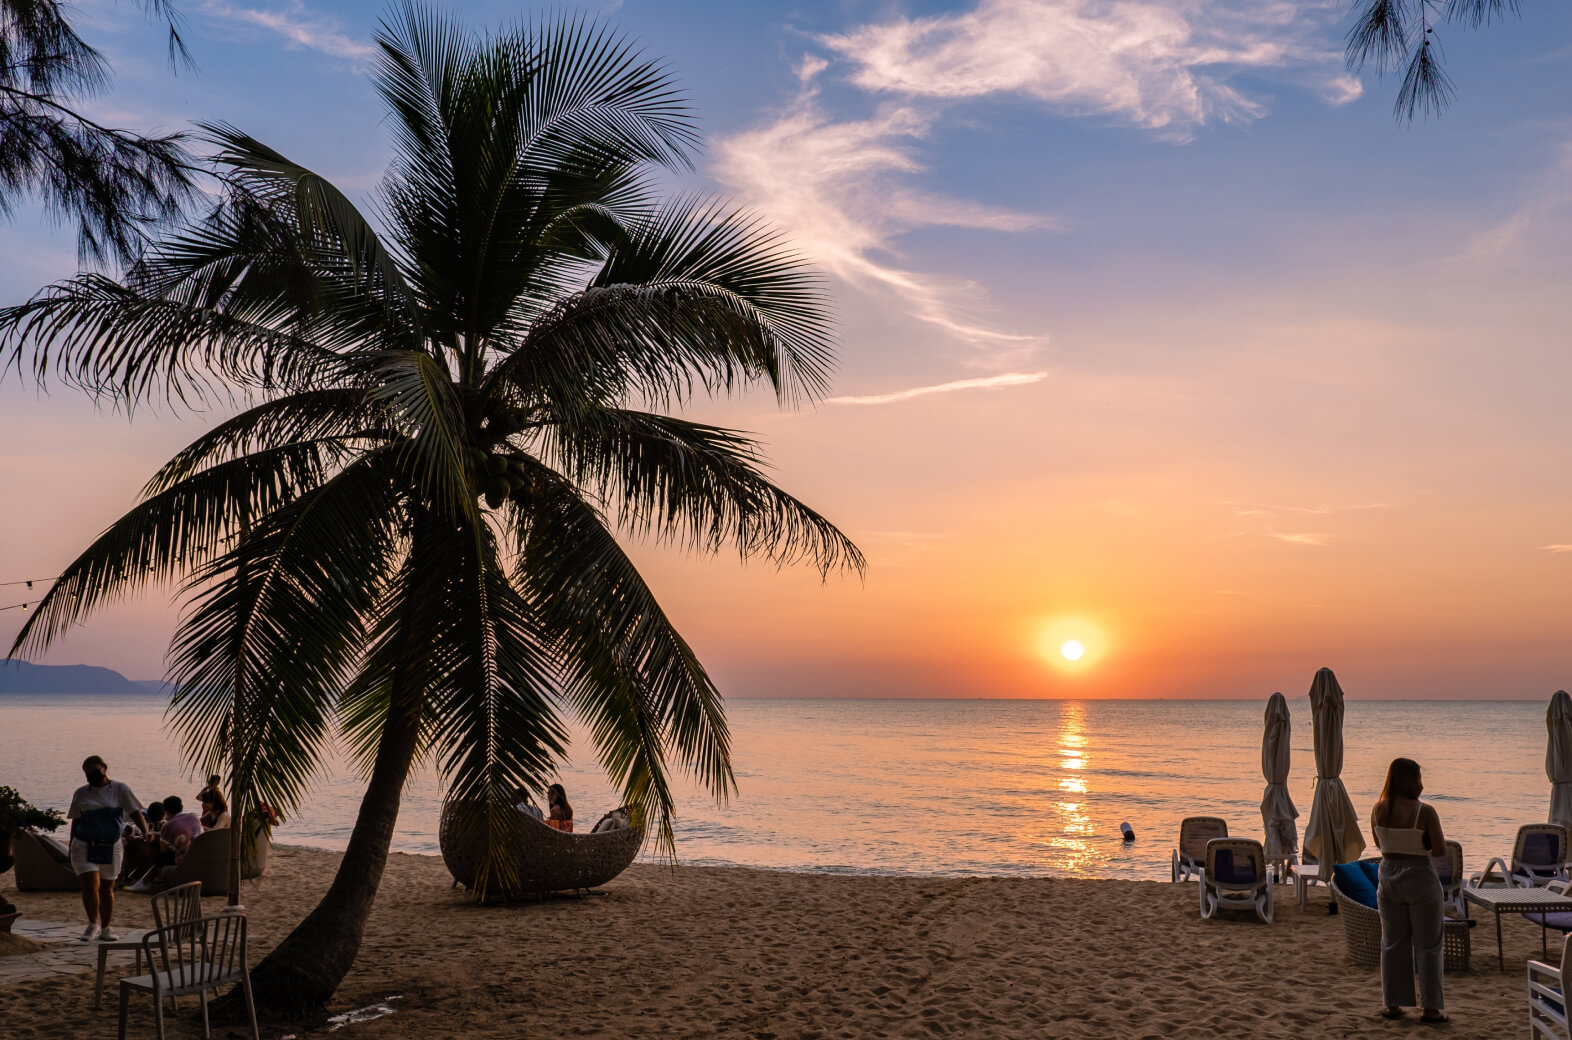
1409	896
97	814
560	813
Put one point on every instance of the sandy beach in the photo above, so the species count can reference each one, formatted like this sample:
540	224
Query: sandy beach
706	952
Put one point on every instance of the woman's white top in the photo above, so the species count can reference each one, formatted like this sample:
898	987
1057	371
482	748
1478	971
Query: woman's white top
1403	841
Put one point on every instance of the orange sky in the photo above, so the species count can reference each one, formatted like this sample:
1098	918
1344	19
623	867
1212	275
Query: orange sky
1293	379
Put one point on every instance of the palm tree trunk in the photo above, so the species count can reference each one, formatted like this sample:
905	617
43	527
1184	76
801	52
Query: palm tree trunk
237	808
303	971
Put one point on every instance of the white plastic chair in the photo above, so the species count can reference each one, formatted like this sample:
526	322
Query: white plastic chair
1547	1004
1540	855
171	906
1194	833
1236	877
206	954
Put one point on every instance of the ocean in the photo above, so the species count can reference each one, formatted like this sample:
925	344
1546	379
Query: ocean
970	787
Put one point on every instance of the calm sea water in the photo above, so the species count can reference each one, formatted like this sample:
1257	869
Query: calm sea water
920	787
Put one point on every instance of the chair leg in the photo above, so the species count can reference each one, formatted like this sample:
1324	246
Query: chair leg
251	1007
158	1013
125	1005
98	987
207	1031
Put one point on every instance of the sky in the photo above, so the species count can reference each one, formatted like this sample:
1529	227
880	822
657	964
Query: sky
1156	333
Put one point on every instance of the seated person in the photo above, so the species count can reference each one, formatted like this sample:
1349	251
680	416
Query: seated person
180	828
561	813
141	848
215	811
526	804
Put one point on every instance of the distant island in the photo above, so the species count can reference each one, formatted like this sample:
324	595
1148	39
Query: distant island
25	677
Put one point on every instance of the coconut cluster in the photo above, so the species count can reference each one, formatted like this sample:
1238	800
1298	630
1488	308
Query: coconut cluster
500	478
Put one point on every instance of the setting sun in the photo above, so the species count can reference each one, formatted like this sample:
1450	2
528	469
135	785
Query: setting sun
1071	643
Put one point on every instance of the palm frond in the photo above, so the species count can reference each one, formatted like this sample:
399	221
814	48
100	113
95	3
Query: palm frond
326	418
415	388
691	296
339	239
628	673
94	333
288	606
170	534
495	727
595	93
697	485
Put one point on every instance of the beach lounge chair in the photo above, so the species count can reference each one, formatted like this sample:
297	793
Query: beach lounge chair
1194	833
1236	878
1547	1002
1539	856
42	864
1561	921
170	907
1449	869
206	954
1362	923
545	859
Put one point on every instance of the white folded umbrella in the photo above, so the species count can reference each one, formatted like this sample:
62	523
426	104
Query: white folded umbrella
1333	835
1277	808
1558	757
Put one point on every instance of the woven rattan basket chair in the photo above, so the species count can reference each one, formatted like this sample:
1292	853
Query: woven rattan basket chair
1362	930
546	860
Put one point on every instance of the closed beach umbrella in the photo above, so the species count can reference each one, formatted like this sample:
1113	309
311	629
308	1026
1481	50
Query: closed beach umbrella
1277	808
1333	835
1558	758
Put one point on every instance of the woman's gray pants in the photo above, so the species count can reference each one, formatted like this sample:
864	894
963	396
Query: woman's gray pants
1409	898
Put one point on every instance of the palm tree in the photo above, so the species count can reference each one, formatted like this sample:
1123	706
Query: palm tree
408	536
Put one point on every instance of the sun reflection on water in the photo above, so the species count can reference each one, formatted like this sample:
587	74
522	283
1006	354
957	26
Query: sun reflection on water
1072	847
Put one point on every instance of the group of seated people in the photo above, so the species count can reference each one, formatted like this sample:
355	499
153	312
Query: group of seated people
558	814
153	853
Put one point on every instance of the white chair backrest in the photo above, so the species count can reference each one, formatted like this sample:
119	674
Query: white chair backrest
1449	868
1540	847
200	952
177	905
1196	831
1235	863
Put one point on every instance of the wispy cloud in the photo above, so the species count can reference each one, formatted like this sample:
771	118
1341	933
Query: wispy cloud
1160	65
1556	548
1291	537
297	25
840	189
1321	510
986	383
1546	197
1298	537
1281	522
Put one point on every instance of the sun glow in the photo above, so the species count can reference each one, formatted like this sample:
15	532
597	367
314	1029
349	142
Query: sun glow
1071	644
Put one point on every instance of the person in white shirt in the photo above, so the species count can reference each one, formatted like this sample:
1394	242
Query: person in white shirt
98	812
526	804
